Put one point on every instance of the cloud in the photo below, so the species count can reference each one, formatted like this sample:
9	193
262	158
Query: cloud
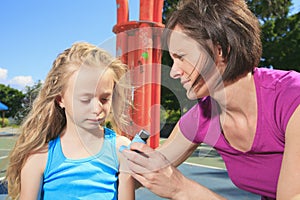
3	74
18	82
21	81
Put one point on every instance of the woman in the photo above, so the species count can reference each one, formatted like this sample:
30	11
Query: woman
249	115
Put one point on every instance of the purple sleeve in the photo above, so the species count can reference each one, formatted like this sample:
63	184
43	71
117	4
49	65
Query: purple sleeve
195	123
188	124
288	99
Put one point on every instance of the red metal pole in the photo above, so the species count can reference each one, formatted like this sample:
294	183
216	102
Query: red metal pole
122	18
146	10
156	91
140	49
146	45
158	10
156	76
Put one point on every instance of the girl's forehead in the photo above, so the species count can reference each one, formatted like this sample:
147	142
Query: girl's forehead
91	78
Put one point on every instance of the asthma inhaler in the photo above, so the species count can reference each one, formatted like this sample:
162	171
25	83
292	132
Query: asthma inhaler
141	137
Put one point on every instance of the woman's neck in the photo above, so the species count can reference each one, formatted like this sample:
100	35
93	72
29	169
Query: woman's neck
238	97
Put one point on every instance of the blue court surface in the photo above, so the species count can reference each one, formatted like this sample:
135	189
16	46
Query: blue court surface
213	178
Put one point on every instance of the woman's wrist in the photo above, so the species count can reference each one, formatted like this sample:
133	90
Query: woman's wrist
182	192
191	190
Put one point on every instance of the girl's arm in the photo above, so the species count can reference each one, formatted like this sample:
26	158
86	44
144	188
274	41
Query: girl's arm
289	179
32	176
126	188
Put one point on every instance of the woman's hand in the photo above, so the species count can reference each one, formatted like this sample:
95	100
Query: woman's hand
153	170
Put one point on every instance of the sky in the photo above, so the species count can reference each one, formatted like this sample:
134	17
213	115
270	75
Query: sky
34	32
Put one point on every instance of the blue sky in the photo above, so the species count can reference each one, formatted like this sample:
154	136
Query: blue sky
33	32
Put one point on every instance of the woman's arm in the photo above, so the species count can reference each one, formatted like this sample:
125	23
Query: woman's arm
32	176
177	148
126	187
155	172
155	169
289	179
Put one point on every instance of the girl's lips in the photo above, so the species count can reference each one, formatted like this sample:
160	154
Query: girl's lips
94	120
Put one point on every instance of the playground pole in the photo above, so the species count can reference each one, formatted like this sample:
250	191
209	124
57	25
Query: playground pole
138	44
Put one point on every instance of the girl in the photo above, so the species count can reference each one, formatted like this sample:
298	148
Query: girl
64	151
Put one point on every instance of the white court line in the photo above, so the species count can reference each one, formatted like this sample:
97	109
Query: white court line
206	166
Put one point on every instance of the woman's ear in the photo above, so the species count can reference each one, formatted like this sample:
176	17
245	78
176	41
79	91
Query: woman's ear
59	101
219	55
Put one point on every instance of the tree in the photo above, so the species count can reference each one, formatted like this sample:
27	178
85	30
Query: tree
19	103
11	97
169	7
280	33
30	93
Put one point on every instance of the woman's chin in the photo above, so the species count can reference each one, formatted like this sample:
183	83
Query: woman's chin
191	95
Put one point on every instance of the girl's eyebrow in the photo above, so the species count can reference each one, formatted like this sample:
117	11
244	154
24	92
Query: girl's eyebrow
93	94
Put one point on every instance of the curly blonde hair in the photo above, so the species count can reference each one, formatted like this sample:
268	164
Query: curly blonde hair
46	120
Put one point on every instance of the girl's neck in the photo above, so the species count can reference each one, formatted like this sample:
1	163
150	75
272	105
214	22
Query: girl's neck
79	143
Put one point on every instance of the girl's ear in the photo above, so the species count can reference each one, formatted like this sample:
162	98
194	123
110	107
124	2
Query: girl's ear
59	101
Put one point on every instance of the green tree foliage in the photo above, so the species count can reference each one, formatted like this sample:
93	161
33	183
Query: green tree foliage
280	33
13	98
169	7
19	103
30	93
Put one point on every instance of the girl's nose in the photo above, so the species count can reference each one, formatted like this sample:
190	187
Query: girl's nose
97	106
176	72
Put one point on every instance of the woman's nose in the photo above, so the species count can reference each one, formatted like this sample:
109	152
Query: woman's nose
176	72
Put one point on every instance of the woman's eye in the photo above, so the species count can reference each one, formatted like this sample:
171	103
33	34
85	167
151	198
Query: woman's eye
104	100
179	56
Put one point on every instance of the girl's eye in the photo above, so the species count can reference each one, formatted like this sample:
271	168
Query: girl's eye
85	100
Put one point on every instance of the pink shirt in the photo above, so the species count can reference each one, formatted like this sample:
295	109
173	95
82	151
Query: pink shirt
257	170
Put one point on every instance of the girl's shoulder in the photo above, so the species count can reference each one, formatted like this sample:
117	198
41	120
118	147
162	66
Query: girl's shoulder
122	140
38	159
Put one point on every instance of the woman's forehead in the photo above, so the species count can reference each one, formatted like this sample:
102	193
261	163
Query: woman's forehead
179	41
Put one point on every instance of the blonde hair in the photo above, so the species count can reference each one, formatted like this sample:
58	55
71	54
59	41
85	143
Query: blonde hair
46	120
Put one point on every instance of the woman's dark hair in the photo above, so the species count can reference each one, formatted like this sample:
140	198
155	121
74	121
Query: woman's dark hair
228	23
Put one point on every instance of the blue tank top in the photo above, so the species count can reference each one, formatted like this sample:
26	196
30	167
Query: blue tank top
94	177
